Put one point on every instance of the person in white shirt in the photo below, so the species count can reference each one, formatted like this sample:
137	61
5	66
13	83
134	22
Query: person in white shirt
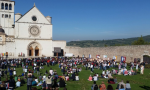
51	71
77	77
103	72
14	72
44	78
25	70
91	68
95	78
36	80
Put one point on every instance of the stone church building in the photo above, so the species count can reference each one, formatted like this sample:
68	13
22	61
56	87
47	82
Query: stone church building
29	35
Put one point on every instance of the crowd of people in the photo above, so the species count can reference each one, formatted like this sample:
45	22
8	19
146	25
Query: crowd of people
31	75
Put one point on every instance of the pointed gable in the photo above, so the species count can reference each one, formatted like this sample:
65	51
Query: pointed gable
27	17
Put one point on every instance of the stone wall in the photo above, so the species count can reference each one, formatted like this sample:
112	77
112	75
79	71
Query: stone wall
130	52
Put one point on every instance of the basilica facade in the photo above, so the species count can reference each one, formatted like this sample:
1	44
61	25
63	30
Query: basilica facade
27	35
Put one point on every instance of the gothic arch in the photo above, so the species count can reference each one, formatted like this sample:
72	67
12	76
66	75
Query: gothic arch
35	45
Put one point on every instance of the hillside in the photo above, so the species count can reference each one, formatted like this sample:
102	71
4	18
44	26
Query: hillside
102	43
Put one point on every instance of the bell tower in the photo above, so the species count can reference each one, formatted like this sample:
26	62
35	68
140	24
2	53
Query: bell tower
7	16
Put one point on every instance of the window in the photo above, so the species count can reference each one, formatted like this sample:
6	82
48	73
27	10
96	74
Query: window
6	16
2	6
9	16
6	6
2	15
10	7
34	18
1	38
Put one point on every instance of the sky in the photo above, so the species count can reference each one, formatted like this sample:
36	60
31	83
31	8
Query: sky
75	20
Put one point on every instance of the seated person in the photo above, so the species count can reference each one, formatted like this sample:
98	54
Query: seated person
119	73
34	83
111	81
129	72
102	76
125	73
132	72
3	85
22	81
40	83
36	79
90	78
62	83
67	78
105	76
109	76
18	84
95	78
115	79
16	78
22	74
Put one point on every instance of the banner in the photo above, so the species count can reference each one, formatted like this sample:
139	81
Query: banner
115	57
97	56
90	56
104	56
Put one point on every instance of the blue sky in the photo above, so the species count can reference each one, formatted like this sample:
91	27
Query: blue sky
75	20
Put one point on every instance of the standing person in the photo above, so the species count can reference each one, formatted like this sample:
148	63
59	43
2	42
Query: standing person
29	82
49	81
51	71
11	83
142	69
91	68
38	70
137	66
5	73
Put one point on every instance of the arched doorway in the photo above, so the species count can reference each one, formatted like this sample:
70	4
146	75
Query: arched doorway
30	51
36	51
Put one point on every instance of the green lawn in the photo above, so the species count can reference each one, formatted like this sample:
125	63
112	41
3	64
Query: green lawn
138	82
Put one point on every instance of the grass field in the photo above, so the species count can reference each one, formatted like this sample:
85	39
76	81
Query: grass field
137	82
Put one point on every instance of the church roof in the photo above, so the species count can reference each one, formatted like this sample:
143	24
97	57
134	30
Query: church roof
29	11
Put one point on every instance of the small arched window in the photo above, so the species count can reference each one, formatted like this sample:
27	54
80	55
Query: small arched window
6	16
6	6
2	15
9	16
10	7
2	6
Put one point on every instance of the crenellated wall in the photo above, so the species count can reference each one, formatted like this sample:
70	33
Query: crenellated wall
130	52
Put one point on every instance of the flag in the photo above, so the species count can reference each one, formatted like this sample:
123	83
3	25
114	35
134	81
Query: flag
123	59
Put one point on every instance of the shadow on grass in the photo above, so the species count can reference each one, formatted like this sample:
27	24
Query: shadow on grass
145	87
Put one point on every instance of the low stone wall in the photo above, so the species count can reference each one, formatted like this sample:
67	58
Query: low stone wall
130	52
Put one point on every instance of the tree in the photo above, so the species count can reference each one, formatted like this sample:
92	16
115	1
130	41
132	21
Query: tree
140	41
